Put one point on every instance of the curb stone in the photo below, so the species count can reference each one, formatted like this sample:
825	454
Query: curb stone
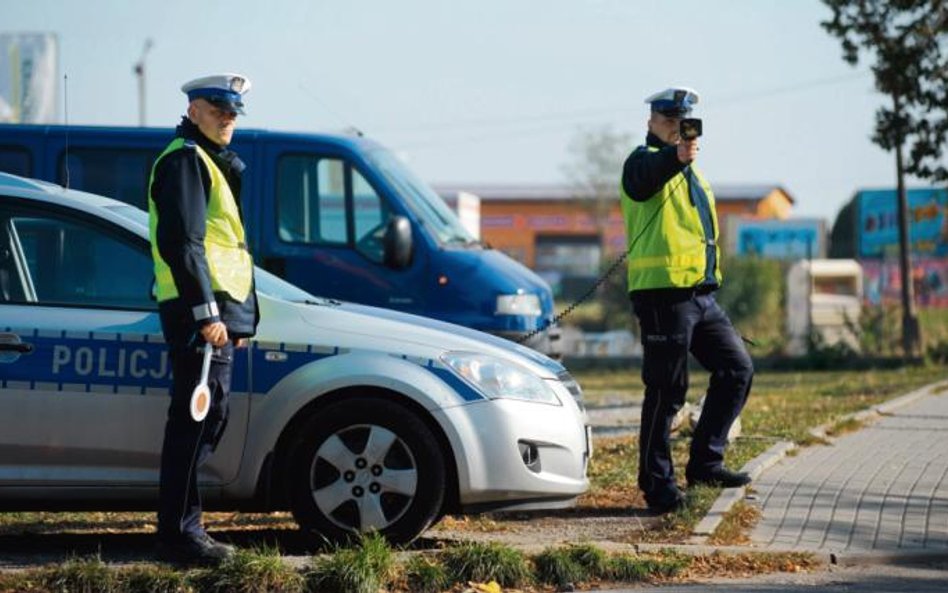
755	467
877	558
730	496
892	405
822	557
883	409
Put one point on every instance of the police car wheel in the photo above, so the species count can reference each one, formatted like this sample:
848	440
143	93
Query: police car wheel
366	464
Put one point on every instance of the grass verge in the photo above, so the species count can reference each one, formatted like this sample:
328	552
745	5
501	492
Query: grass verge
484	562
253	571
424	574
371	567
748	564
844	426
81	575
736	525
365	568
564	567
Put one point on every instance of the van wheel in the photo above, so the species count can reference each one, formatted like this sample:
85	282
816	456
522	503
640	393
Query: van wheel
366	464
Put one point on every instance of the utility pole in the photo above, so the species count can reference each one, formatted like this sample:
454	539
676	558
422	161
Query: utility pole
140	73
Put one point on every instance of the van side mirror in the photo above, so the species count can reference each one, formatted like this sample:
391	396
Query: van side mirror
397	242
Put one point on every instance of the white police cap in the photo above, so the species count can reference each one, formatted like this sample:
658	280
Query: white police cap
676	101
224	90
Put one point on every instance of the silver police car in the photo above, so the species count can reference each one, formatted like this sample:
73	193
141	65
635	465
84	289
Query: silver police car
355	418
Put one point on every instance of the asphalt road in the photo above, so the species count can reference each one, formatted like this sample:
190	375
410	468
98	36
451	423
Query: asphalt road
922	578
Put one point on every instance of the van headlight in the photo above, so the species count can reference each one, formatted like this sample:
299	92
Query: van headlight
498	378
518	304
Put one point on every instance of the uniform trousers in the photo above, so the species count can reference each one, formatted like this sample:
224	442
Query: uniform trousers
672	325
188	444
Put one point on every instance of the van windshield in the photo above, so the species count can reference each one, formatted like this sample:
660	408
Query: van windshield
423	201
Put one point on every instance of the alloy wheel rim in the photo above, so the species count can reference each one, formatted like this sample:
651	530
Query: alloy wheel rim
363	478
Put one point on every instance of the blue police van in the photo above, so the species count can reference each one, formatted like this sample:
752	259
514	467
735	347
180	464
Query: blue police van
336	214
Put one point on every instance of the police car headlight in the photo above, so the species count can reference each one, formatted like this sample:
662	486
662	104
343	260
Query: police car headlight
497	378
518	304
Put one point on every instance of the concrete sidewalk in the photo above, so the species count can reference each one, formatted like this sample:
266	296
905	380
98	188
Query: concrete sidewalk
881	489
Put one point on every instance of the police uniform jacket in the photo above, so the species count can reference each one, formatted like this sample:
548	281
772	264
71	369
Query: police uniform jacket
645	173
180	193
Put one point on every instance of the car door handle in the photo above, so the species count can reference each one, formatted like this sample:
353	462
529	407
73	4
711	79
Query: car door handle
12	347
22	347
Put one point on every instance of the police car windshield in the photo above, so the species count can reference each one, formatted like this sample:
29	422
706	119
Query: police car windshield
266	282
132	213
423	201
276	287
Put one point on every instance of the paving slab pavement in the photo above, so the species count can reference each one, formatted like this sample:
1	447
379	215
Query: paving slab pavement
883	488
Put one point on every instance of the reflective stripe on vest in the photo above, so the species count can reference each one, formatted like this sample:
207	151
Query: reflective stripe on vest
228	261
670	246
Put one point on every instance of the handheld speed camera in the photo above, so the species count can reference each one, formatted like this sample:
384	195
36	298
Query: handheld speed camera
689	128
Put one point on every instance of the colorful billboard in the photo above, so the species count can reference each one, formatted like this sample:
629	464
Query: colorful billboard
879	223
795	238
882	282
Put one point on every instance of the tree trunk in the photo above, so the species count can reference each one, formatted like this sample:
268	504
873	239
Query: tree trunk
911	333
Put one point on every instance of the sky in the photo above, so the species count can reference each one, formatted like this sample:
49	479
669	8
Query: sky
493	91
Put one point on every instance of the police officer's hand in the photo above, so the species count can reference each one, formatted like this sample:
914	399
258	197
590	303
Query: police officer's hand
215	333
687	150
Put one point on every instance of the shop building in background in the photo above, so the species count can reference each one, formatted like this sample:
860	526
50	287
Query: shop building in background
564	234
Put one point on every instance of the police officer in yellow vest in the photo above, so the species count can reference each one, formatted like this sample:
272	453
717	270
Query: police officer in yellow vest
205	290
673	271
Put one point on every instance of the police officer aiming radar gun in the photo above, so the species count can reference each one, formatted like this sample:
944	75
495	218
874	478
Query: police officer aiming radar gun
689	128
206	299
673	271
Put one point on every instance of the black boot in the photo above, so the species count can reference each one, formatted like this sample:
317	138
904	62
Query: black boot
194	549
667	502
720	476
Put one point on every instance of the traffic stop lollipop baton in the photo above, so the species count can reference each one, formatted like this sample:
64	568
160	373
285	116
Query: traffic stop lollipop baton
201	396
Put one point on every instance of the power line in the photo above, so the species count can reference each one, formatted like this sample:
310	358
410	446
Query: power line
484	137
500	121
346	123
557	119
793	88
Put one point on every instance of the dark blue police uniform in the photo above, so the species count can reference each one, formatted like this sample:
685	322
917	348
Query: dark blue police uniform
676	321
180	193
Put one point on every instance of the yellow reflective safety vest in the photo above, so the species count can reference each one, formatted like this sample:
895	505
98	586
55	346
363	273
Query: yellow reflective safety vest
669	246
225	247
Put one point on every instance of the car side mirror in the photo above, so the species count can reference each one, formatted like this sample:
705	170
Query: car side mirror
397	242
